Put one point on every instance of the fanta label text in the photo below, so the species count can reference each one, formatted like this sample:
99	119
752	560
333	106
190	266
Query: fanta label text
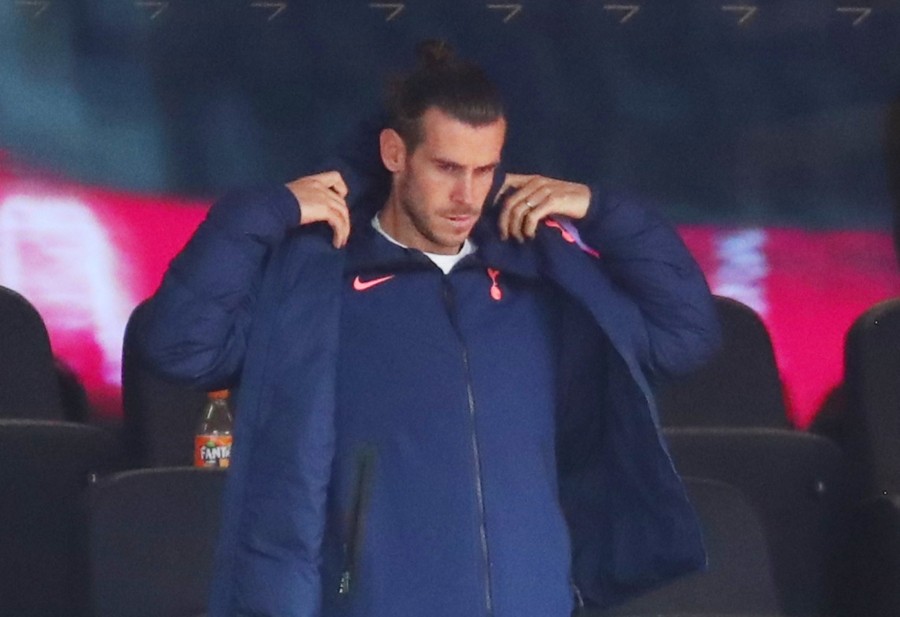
212	450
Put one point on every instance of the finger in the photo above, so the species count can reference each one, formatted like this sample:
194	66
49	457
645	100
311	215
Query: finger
511	181
345	227
524	192
522	217
535	216
334	181
333	199
517	214
314	204
323	191
514	214
513	201
531	195
328	198
510	220
524	200
341	233
339	222
503	223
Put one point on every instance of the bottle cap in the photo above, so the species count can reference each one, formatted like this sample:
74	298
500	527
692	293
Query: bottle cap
218	394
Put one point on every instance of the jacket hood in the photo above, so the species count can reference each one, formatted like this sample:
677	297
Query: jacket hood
369	183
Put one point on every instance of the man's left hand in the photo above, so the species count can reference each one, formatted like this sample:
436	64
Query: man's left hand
534	198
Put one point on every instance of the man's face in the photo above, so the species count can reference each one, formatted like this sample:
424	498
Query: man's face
440	187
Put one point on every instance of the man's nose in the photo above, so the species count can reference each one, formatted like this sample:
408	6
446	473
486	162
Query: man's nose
463	191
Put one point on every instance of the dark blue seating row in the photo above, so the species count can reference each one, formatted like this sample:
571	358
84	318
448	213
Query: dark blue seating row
781	509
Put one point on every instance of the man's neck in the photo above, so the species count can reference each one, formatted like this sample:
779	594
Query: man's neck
378	222
444	262
390	225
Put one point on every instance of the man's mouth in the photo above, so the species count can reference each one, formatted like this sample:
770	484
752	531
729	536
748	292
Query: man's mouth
462	217
461	222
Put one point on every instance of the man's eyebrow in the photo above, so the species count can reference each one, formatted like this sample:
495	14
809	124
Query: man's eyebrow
452	164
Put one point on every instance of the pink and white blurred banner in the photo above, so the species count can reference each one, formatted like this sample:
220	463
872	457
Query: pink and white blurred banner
86	256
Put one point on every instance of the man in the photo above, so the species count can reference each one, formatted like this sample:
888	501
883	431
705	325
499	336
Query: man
444	400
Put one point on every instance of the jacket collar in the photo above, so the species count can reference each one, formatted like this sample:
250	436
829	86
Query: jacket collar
370	183
369	251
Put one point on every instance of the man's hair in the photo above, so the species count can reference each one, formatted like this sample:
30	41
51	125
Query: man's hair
459	88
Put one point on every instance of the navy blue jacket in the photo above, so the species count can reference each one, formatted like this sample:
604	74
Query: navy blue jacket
254	302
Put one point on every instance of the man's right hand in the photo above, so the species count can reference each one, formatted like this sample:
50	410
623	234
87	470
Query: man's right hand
322	199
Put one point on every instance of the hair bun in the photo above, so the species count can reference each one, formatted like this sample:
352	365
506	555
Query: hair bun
434	53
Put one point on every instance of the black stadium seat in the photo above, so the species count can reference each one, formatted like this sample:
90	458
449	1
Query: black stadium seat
870	567
739	386
739	578
870	428
152	537
802	488
160	417
29	387
45	467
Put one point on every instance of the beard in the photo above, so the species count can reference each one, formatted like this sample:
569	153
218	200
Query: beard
425	226
428	224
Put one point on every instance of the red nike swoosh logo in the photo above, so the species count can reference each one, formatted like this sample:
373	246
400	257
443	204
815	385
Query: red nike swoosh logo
361	285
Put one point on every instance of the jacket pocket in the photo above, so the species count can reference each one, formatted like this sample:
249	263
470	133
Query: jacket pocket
355	520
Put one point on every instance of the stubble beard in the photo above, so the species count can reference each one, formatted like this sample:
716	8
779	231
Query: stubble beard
421	224
425	224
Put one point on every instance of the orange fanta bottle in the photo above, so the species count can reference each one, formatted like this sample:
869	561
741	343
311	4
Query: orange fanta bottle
212	442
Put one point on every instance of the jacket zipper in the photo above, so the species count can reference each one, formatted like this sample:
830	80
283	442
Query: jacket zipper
579	599
353	542
450	303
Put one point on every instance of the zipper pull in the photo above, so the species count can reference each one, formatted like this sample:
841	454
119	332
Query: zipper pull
344	587
579	599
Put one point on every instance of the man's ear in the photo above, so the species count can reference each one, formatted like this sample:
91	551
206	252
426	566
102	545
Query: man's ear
393	150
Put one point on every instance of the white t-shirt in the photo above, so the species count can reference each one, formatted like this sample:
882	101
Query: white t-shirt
444	262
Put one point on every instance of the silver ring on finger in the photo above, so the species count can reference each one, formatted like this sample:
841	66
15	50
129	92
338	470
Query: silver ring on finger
529	205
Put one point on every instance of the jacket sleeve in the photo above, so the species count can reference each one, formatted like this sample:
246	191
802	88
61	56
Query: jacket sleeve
194	328
645	257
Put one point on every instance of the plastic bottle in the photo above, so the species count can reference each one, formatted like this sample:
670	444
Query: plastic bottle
212	441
